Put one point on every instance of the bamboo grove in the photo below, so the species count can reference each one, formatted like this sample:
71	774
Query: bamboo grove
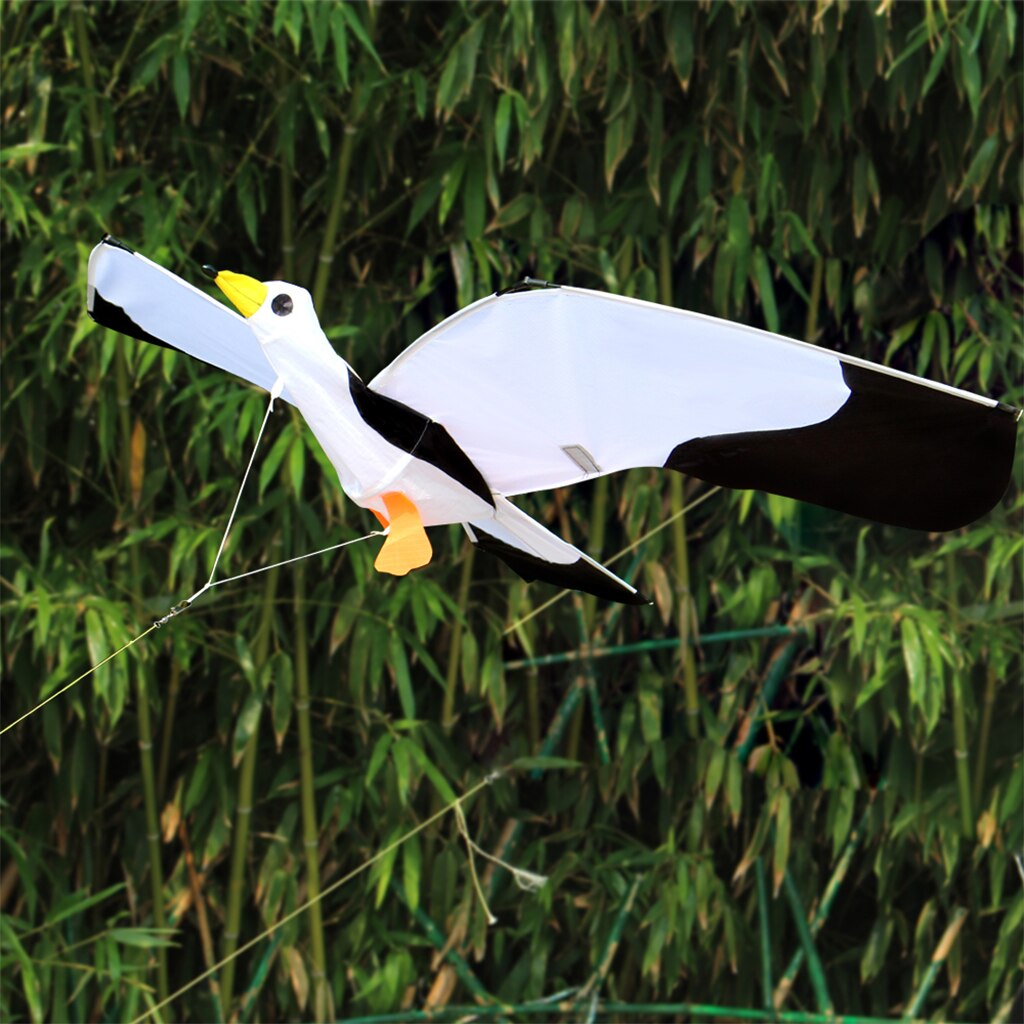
817	721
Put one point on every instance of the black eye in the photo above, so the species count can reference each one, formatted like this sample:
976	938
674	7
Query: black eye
282	305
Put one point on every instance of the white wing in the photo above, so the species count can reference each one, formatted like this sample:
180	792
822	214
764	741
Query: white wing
133	295
550	387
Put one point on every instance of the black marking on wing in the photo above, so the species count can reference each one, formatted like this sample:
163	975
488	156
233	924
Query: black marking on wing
578	575
896	452
107	314
418	435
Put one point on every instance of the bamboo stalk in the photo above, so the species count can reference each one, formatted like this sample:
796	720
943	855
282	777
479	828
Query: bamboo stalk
938	959
814	966
984	731
765	934
451	680
310	830
785	985
686	618
597	978
92	114
170	708
243	810
326	257
960	749
259	976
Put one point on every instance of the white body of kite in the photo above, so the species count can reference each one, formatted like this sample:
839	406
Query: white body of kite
532	389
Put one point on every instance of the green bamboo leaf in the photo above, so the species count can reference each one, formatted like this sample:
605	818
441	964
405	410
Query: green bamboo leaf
681	41
339	42
654	148
399	666
783	830
914	661
297	463
353	21
412	870
649	697
30	985
512	212
970	77
935	66
450	182
143	938
762	276
715	774
28	150
980	167
182	83
616	146
502	125
75	903
246	725
403	769
384	868
432	772
377	757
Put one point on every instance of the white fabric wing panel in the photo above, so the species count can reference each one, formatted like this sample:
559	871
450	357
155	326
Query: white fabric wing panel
176	313
518	378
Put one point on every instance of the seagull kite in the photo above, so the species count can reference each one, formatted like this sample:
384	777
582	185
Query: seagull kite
541	386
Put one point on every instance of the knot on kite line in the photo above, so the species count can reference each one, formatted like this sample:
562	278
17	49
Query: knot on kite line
175	610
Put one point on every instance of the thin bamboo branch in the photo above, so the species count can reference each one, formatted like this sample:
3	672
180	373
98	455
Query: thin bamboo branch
938	959
814	966
550	1009
665	644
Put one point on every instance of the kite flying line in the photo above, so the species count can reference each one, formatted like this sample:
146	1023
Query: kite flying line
211	582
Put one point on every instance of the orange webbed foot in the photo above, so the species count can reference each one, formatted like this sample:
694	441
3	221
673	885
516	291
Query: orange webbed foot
406	545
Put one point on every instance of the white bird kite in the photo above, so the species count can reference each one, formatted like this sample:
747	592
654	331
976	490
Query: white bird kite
533	388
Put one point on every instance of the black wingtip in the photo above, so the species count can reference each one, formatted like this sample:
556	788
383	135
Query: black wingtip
579	575
117	243
210	271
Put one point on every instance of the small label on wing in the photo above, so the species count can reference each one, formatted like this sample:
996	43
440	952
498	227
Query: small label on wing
581	457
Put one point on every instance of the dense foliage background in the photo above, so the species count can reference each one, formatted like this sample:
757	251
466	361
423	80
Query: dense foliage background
846	173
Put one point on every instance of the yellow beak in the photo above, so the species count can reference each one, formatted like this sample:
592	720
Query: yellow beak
246	293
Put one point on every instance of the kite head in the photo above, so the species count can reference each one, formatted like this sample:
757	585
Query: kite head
275	309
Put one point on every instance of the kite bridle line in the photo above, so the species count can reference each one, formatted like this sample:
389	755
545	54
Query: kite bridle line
182	606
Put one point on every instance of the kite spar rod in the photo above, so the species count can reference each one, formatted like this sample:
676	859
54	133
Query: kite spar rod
211	582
